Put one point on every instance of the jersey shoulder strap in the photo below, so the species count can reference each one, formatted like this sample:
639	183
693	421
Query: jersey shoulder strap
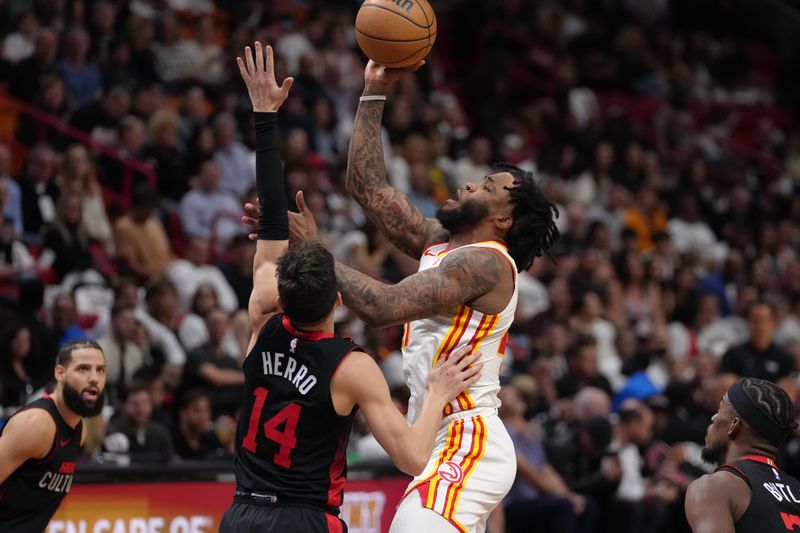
735	470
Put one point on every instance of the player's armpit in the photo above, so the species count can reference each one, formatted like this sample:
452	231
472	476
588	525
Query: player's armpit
708	503
462	277
28	435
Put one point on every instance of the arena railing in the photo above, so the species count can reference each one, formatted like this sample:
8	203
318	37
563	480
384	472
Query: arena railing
11	107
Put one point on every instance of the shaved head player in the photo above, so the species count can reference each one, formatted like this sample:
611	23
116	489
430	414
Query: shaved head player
748	493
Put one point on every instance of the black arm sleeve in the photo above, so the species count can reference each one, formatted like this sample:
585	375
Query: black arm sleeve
273	223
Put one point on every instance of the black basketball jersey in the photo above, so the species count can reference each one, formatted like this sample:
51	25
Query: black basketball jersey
32	494
775	501
290	441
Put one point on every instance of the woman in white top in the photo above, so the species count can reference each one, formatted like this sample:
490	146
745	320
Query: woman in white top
79	176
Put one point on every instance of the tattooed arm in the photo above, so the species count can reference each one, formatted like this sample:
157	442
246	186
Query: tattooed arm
388	208
459	279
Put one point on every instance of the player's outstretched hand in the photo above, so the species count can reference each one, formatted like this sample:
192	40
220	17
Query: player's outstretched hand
259	75
460	370
376	74
302	225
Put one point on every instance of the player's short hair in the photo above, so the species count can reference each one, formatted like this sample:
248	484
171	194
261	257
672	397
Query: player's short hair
64	355
533	230
307	283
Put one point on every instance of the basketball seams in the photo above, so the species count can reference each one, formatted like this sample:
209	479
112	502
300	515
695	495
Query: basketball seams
384	39
377	6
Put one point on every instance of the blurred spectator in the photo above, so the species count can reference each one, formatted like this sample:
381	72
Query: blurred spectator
194	435
123	356
79	176
539	494
39	192
82	76
211	366
689	233
475	164
66	243
12	199
134	432
204	207
582	369
193	331
20	44
20	374
236	162
142	244
189	273
641	502
99	117
164	152
238	268
29	72
64	319
759	357
102	23
54	100
15	260
646	217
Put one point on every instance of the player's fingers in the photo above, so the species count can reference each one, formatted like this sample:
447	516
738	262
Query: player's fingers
286	85
475	374
248	57
467	360
252	236
242	69
414	68
461	351
250	207
301	203
259	57
270	59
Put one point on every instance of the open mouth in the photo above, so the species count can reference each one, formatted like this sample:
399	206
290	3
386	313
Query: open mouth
90	393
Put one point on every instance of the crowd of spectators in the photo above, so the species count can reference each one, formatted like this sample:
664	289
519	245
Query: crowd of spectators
666	139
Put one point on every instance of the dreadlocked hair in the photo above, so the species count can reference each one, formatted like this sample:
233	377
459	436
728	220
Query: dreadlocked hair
533	230
772	401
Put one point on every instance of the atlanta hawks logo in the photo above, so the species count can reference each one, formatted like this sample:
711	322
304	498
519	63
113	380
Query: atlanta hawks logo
451	472
293	345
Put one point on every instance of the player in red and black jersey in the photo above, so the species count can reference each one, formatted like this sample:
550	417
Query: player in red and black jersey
303	383
748	493
40	443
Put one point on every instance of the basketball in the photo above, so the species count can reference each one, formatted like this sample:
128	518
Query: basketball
396	33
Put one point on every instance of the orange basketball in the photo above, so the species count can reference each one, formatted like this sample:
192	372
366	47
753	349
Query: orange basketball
396	33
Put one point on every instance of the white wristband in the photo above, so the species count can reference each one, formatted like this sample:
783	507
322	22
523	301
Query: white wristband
372	97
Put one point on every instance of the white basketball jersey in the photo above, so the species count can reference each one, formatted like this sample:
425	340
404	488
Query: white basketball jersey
427	340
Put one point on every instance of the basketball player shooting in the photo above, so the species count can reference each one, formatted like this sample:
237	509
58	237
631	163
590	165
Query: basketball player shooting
302	381
465	292
748	493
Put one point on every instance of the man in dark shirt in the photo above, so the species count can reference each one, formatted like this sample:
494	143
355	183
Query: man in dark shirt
193	434
759	357
134	432
210	366
582	369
